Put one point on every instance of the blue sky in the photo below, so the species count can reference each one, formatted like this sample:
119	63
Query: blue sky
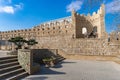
21	14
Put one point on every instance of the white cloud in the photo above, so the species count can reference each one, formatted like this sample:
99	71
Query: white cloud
6	6
76	5
7	9
19	6
113	7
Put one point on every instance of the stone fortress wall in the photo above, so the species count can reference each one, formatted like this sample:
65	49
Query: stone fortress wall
53	28
66	34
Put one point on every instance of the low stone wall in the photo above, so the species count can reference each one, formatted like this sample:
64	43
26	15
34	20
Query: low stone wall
3	47
115	48
91	47
25	59
82	46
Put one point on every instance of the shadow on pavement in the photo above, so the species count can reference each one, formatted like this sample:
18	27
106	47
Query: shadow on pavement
44	71
40	75
59	65
36	78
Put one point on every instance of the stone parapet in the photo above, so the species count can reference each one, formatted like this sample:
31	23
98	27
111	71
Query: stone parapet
25	59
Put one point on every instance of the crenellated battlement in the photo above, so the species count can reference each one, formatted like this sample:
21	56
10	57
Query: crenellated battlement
55	22
56	27
94	15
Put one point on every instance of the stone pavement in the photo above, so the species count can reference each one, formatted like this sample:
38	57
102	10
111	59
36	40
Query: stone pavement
79	70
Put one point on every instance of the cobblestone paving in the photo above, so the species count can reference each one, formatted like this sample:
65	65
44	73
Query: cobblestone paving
79	70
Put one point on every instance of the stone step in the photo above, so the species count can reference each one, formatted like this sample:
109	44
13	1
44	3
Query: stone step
10	68
9	64
8	60
8	57
7	69
11	73
59	58
19	76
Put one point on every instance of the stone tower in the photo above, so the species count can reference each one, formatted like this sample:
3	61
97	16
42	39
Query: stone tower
89	22
102	18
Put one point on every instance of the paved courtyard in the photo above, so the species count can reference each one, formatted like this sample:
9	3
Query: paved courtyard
79	70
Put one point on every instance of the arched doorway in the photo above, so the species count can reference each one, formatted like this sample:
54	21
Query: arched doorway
84	31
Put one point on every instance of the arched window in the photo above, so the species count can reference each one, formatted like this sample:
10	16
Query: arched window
84	30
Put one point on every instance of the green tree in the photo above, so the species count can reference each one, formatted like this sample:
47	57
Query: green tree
18	41
31	42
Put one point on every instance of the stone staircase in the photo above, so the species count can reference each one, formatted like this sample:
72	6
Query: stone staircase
10	69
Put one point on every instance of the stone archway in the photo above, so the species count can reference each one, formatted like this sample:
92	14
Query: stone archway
84	31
